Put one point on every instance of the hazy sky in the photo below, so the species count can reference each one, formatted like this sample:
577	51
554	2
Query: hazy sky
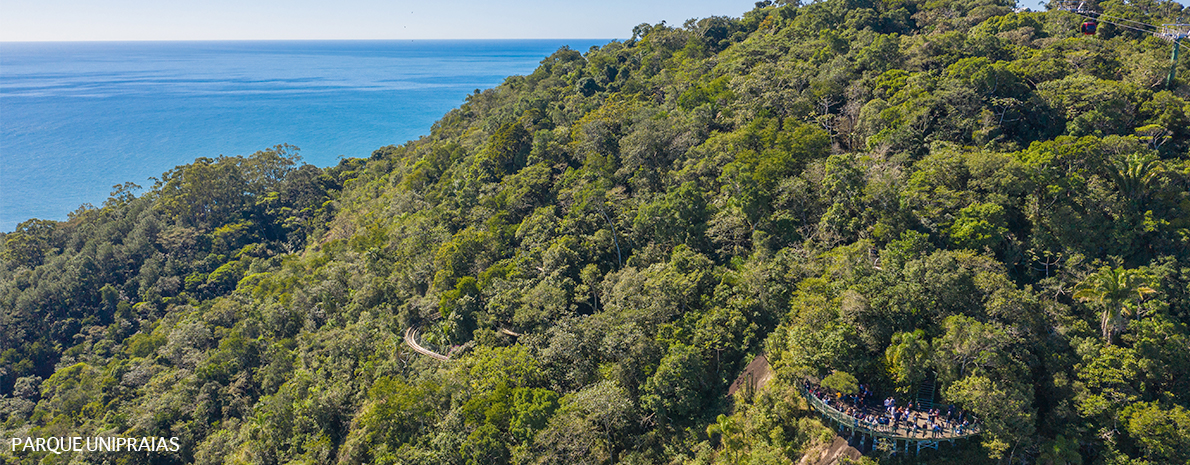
38	20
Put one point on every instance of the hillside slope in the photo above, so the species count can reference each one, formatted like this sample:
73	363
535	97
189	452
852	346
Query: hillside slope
902	191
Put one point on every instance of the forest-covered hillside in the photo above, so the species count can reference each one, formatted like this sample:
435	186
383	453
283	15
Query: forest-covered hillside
902	191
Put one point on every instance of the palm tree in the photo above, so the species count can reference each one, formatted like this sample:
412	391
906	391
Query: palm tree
731	435
908	358
1135	173
1113	288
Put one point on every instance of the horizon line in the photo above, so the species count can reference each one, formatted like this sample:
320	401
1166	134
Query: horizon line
297	40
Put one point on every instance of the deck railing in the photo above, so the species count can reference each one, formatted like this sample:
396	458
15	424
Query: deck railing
891	430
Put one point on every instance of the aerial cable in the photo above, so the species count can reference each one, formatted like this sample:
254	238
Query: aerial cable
1119	21
1100	17
1154	29
1120	18
1171	32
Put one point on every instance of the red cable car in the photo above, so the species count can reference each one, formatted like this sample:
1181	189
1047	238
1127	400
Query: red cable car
1090	27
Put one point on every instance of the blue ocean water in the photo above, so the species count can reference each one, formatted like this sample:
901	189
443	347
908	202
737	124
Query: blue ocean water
78	118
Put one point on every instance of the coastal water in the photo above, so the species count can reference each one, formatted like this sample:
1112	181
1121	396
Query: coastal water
78	118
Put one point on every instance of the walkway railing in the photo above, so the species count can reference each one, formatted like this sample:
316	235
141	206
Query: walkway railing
891	431
411	340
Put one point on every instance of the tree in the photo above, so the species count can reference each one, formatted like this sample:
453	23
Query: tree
393	414
811	351
588	426
908	358
1060	451
508	148
843	185
841	381
978	226
487	367
1003	410
70	390
1163	431
28	244
970	347
731	435
1135	173
674	392
1114	289
1110	378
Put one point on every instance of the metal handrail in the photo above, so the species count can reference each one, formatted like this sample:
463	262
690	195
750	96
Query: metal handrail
867	428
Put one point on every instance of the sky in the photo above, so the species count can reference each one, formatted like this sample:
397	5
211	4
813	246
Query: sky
89	20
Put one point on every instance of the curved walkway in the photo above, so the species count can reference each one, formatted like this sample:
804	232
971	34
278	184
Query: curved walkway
922	436
411	340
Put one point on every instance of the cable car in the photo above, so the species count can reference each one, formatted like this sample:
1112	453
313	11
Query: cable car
1089	27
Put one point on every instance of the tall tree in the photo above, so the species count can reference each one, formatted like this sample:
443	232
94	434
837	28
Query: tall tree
1114	289
908	359
1134	174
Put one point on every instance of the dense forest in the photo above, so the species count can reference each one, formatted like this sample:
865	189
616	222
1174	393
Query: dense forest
900	191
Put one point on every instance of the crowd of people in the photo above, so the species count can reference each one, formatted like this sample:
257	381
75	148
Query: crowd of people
908	419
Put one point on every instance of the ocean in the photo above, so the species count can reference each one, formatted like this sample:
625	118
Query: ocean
77	118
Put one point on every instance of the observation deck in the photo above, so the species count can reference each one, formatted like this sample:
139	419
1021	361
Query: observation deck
922	437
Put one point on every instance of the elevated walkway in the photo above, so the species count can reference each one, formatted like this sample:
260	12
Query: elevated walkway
920	438
411	340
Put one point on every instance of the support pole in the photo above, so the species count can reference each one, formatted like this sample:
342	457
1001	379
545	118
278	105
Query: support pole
619	260
1173	67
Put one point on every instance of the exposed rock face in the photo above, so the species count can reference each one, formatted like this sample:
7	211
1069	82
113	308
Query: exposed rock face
830	455
755	376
